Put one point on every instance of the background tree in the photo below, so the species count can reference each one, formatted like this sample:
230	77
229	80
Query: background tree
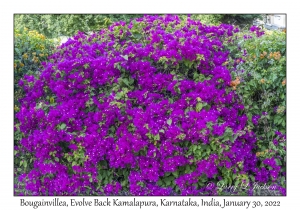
54	25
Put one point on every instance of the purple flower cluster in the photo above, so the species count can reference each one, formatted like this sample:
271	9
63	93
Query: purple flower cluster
112	189
134	103
280	135
255	119
263	175
259	32
275	142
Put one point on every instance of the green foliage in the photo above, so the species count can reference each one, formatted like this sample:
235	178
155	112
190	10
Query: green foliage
240	19
68	24
214	19
236	19
263	89
53	25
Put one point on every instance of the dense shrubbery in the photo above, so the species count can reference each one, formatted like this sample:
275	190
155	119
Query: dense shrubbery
148	107
53	25
216	19
68	24
261	66
30	49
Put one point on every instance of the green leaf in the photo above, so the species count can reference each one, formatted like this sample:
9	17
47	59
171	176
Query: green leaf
252	178
209	125
213	147
194	148
167	173
234	137
124	183
168	182
137	36
126	82
125	57
156	137
207	107
274	77
234	176
278	162
62	126
131	81
169	121
282	180
51	100
176	173
119	95
188	169
199	106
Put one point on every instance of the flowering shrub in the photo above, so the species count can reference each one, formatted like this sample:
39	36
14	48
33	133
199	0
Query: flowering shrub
30	49
263	90
145	107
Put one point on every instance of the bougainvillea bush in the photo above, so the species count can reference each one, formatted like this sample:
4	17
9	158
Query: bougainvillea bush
144	108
